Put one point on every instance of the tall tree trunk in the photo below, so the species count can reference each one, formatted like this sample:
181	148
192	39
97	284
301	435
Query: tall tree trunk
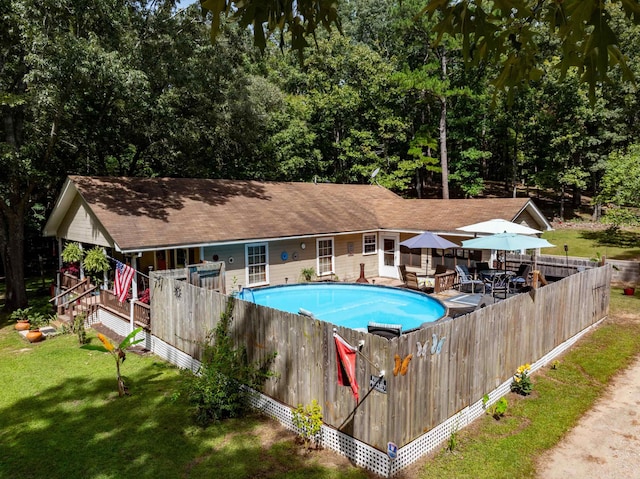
12	251
444	159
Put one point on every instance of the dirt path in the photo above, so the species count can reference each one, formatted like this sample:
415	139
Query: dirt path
606	441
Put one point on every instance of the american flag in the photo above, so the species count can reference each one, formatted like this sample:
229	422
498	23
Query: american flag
124	275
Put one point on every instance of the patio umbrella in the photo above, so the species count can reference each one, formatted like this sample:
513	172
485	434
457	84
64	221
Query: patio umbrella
499	226
428	240
506	242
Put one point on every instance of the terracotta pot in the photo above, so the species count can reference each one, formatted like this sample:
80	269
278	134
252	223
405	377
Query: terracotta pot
22	325
34	336
629	291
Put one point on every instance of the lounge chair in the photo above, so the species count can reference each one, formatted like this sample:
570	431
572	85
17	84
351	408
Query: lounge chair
388	331
466	281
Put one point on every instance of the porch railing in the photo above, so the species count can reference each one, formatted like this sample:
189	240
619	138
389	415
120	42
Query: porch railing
141	311
444	281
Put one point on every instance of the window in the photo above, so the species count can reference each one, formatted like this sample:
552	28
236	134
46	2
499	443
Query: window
411	257
257	267
369	243
325	256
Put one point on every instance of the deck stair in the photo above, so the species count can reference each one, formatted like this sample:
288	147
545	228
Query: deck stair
75	300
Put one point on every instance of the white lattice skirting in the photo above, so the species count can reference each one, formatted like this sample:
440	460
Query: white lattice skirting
357	451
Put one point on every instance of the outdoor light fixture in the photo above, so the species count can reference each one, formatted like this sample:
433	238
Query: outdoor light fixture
303	245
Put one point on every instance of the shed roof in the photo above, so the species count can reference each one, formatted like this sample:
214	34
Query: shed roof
148	213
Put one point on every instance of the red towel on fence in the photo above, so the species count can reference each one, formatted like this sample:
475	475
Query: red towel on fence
346	359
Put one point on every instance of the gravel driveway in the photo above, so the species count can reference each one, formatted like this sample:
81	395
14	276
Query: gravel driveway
606	441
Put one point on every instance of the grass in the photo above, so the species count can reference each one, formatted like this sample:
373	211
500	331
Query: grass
61	417
509	447
621	244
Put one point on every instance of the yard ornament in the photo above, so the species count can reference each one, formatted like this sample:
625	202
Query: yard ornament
402	365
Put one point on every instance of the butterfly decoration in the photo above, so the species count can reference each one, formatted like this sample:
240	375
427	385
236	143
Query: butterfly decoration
436	346
402	365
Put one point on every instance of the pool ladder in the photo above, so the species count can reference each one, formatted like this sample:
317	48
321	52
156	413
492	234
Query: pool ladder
244	296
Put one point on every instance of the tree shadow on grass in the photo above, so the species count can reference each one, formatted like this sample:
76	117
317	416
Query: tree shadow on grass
630	240
79	428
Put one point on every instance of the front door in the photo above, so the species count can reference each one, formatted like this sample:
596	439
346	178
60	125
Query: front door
389	255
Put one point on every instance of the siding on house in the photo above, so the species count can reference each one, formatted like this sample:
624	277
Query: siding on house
78	225
347	265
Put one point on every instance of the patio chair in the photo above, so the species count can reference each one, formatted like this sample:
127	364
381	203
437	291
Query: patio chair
440	269
411	282
465	280
502	284
402	269
482	267
521	278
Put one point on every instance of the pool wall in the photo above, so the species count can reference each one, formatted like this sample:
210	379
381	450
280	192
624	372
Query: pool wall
453	363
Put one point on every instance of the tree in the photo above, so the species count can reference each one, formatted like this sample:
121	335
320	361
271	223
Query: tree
620	185
118	88
505	32
36	96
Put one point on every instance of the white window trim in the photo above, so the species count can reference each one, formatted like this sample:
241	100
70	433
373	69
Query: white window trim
333	256
375	249
266	264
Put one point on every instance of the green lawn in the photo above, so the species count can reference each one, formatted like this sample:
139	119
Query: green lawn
61	417
623	244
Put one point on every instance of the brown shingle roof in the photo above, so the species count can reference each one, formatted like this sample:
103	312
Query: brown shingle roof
143	213
447	215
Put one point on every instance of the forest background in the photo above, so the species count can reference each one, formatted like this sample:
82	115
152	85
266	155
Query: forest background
137	88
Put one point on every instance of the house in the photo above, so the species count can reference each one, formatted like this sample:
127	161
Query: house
268	232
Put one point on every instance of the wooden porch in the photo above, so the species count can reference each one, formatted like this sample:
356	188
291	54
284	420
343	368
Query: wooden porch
78	296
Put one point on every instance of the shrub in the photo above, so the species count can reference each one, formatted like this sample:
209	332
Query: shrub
497	409
522	383
308	421
78	328
217	392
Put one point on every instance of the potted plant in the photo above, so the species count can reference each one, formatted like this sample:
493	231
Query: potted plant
36	320
629	289
21	315
96	263
307	273
72	253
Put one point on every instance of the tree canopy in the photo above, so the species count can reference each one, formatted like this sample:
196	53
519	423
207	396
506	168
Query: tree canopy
137	88
507	32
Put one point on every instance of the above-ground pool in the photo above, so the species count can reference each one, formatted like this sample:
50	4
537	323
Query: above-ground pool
350	305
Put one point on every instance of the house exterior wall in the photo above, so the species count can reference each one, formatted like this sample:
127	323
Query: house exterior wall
79	226
525	218
347	258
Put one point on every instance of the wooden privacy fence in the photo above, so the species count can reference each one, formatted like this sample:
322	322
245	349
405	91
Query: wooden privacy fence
554	266
551	266
208	275
478	351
